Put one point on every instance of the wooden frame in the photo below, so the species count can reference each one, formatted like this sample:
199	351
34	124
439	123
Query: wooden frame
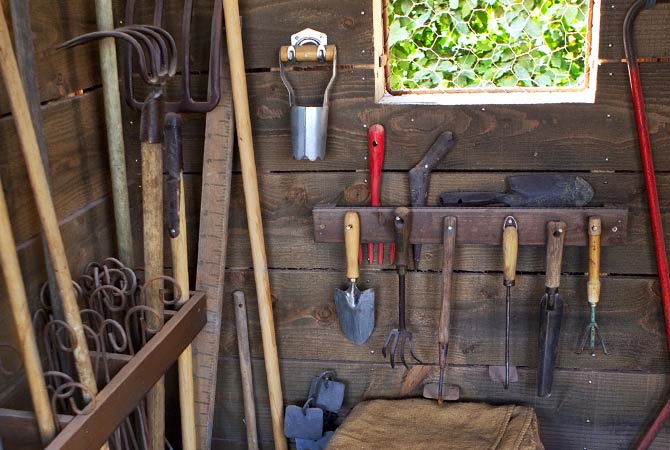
116	400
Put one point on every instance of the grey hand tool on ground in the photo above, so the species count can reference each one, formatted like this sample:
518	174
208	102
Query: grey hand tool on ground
419	177
551	309
303	422
327	392
355	309
535	190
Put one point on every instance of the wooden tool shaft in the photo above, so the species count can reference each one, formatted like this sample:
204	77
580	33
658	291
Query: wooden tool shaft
510	246
555	238
447	277
45	207
306	53
593	284
18	305
152	221
402	229
352	237
245	368
179	249
117	159
250	183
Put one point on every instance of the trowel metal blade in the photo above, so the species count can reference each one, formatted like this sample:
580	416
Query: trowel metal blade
497	374
357	315
551	316
307	424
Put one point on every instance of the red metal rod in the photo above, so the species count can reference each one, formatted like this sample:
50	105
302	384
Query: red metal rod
652	194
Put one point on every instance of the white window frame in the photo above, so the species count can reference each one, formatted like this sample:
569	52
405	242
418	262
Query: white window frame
486	96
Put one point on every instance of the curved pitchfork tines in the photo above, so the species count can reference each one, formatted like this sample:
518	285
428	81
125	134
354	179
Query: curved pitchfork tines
145	40
187	103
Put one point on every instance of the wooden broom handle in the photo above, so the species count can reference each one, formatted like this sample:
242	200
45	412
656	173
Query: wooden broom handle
231	12
593	285
44	203
18	305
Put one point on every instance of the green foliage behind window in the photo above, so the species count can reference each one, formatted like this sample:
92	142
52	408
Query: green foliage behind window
443	44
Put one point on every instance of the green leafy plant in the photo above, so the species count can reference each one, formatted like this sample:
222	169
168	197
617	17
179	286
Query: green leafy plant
446	44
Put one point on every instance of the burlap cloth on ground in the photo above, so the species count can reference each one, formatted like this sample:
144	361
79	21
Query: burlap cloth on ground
418	424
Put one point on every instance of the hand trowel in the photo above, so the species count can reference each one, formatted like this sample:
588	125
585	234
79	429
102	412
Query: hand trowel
355	309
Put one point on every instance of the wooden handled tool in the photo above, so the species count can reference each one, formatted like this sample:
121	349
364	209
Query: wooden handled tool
179	249
510	250
245	368
18	305
117	160
245	143
44	203
592	330
419	177
449	243
551	309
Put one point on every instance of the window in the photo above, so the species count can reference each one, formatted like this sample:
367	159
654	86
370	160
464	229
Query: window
487	51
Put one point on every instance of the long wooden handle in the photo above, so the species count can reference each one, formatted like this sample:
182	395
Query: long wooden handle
179	248
18	304
510	250
402	230
245	144
245	368
593	285
449	243
113	121
152	220
555	238
352	237
44	204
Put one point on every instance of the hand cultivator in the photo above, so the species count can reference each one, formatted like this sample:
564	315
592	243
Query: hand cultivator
401	336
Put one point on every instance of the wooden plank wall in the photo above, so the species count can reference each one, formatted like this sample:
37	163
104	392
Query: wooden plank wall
598	403
75	133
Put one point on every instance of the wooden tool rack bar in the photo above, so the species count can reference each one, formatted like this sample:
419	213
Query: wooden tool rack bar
116	400
483	226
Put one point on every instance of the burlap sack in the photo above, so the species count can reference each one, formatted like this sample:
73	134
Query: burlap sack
420	424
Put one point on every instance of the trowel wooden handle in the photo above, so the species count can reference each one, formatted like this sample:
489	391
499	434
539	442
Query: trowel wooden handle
510	249
555	238
352	238
593	285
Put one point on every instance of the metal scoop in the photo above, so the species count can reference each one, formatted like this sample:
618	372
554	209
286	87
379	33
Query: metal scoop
355	309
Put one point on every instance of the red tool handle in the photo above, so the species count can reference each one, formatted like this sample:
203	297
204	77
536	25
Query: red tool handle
376	160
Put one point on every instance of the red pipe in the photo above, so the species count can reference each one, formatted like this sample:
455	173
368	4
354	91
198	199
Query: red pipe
652	193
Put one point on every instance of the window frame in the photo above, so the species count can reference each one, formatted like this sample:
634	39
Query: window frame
482	96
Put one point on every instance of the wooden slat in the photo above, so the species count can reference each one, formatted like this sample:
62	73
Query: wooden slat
88	236
116	400
78	161
212	251
268	24
61	72
594	410
559	137
18	429
479	226
629	315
